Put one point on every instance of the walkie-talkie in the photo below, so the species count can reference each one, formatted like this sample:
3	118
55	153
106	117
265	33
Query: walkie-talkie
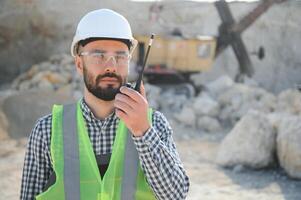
139	80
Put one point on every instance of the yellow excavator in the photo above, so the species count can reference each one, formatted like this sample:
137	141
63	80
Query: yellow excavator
174	58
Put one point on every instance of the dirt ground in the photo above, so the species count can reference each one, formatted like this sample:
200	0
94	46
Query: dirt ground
211	182
208	181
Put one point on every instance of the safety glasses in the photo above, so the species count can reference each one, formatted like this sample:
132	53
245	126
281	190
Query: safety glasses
101	58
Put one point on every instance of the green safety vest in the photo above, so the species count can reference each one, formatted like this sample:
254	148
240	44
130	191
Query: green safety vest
75	166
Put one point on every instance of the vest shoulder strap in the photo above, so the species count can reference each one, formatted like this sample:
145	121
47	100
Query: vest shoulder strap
71	153
130	170
131	166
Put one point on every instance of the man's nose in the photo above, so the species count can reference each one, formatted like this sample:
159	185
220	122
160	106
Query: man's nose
111	64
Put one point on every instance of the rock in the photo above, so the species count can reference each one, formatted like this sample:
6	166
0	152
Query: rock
205	105
185	89
51	77
57	72
239	99
170	102
44	84
25	85
19	81
56	58
289	101
266	102
56	78
276	118
61	59
23	109
25	77
250	143
186	116
3	126
3	119
153	95
208	124
38	77
219	85
289	146
32	71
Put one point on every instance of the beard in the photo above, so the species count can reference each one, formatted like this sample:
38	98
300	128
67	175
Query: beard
106	93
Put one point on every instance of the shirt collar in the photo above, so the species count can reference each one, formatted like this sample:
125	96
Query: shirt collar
90	117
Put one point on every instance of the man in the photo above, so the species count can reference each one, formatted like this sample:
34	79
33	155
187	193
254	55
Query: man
89	150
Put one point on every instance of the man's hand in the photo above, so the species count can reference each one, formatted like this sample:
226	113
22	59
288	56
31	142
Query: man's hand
131	107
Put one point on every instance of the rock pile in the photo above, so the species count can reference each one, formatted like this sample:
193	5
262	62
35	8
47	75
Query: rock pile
33	93
220	105
59	71
267	127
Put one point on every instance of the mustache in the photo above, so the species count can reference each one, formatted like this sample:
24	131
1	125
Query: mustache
110	75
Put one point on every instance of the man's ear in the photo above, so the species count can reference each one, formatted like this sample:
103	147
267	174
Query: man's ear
78	64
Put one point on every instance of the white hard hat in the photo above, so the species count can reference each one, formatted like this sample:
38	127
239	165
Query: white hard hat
103	23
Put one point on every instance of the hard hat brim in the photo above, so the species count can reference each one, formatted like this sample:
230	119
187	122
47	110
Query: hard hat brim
75	42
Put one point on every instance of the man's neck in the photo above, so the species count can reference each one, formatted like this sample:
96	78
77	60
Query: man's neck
100	108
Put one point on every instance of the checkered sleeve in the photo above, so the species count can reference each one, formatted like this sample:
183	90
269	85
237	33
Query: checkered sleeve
160	161
37	165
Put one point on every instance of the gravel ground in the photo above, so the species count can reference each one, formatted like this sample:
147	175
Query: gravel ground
211	182
208	181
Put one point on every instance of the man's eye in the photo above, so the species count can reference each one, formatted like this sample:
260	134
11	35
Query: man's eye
95	55
120	57
98	55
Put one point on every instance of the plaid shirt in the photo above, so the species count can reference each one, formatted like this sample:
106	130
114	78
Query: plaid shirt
157	153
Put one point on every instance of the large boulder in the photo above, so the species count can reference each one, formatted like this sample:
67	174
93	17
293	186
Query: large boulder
250	143
275	119
289	101
24	108
289	145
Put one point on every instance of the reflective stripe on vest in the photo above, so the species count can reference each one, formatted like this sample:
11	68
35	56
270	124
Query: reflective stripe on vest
71	160
130	170
71	153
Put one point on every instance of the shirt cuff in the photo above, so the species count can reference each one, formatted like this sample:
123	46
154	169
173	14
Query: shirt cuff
148	142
